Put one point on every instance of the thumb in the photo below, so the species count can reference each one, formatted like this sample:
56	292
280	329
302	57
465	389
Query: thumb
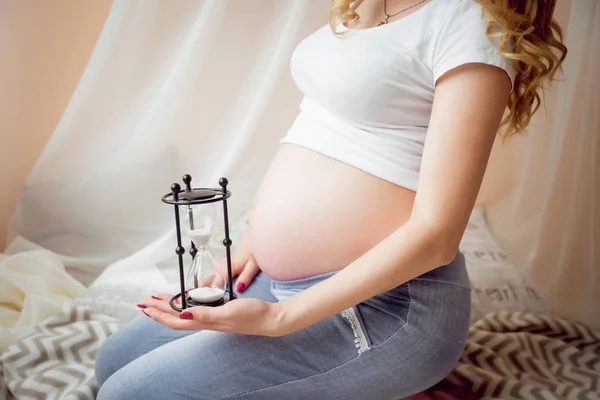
247	275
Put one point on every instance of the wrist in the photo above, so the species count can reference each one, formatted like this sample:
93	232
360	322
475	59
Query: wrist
283	323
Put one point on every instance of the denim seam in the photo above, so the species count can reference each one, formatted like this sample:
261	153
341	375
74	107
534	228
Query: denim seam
401	327
444	283
292	381
408	311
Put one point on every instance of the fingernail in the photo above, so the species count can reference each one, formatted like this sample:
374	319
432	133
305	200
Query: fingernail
156	298
145	313
141	306
240	287
186	315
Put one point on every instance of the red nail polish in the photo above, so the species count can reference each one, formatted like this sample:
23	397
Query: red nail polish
186	315
142	306
145	313
156	298
240	287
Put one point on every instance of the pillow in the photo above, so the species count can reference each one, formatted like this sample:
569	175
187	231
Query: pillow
496	284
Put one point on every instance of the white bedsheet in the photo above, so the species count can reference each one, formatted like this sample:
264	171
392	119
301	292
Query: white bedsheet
34	286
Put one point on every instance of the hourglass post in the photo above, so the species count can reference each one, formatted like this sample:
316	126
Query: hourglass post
227	241
187	179
180	250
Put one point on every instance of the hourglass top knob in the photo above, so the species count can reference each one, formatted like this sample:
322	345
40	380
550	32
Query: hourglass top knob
175	188
187	179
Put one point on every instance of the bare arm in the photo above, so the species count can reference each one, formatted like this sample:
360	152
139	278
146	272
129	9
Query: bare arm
468	107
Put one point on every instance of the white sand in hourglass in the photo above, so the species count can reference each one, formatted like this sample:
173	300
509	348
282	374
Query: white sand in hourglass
206	294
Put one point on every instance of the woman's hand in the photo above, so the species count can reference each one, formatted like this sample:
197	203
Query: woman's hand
241	316
243	265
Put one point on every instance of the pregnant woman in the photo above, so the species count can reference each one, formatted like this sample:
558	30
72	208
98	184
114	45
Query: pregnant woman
351	283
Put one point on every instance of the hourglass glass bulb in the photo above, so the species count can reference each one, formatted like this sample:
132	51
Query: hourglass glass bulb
201	236
206	284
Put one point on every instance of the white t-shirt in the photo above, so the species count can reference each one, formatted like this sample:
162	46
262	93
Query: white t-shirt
368	95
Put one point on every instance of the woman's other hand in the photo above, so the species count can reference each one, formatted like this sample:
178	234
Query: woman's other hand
243	265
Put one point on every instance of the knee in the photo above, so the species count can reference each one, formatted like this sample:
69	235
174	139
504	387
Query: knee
136	381
108	359
120	348
117	387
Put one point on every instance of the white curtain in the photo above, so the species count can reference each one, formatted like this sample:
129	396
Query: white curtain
549	223
203	87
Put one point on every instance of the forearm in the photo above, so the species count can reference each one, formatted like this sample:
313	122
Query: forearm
409	252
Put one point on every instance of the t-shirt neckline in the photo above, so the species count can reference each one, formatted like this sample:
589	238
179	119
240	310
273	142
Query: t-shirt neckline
344	28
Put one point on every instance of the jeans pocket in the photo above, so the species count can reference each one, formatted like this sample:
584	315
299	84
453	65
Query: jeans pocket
355	321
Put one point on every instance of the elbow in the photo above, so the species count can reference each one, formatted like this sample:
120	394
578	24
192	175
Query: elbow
447	254
442	243
444	249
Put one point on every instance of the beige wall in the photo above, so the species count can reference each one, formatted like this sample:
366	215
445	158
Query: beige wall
44	48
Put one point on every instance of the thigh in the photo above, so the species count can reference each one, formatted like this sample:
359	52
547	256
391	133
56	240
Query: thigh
390	347
216	365
143	335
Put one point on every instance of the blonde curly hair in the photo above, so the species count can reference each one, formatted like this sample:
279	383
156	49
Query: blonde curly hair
538	49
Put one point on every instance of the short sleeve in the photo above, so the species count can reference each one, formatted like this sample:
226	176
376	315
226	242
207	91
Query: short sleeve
463	40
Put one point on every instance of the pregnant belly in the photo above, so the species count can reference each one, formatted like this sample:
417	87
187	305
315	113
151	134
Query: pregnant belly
313	214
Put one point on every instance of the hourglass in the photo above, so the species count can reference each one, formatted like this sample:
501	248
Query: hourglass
204	283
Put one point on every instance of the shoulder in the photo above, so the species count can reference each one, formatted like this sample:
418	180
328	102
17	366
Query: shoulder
463	38
459	9
464	16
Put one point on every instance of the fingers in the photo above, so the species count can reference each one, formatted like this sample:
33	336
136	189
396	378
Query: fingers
191	318
179	323
162	296
247	275
207	315
158	296
159	302
170	320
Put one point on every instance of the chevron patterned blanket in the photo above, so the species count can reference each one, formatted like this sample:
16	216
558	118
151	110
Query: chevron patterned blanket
524	356
508	356
56	360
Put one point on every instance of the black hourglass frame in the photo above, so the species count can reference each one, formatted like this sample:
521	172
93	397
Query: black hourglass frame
194	196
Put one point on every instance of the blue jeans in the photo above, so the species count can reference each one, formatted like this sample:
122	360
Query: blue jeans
391	346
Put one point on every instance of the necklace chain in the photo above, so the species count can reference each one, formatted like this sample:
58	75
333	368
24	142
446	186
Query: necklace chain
388	16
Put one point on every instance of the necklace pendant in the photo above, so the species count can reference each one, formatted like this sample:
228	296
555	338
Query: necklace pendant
384	21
